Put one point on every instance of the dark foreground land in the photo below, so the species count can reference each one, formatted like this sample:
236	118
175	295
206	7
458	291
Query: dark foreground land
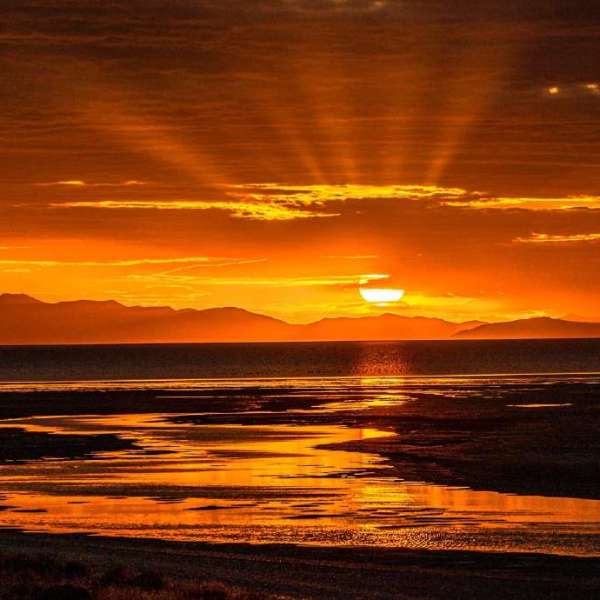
45	577
536	439
111	569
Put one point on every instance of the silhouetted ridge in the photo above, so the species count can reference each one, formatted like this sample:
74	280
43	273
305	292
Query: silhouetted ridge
11	299
537	327
25	320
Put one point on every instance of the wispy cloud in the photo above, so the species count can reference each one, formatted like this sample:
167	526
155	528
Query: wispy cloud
525	203
283	282
277	202
196	261
80	183
574	90
270	211
322	194
352	257
545	238
17	270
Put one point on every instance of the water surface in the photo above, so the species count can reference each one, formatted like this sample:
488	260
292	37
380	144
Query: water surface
227	478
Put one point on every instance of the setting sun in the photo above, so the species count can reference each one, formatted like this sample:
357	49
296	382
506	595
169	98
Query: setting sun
381	295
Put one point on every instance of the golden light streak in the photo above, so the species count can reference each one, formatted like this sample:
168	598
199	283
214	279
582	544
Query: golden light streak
567	203
545	238
393	125
476	78
196	261
284	282
80	183
320	194
277	202
421	301
352	257
239	210
109	111
273	106
334	151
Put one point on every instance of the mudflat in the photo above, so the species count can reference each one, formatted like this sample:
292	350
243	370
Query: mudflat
345	488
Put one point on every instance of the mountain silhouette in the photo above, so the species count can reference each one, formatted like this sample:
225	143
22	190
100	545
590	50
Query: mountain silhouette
539	327
26	320
383	327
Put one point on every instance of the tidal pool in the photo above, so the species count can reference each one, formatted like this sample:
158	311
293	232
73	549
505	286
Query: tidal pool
271	483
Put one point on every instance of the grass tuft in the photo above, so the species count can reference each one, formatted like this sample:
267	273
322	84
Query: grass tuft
46	578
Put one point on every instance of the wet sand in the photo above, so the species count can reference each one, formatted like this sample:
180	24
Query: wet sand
533	441
18	445
336	574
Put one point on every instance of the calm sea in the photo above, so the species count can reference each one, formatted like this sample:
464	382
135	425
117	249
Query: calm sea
335	359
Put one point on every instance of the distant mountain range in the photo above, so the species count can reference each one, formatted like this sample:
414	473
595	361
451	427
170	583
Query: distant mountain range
540	327
25	320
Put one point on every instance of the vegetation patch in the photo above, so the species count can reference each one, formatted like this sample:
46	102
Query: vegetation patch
46	578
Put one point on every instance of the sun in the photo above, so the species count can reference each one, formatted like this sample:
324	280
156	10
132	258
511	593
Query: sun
381	295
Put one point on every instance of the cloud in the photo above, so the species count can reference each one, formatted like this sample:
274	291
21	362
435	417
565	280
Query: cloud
322	194
545	238
196	261
353	281
352	257
277	202
16	270
80	183
269	211
527	203
577	90
592	88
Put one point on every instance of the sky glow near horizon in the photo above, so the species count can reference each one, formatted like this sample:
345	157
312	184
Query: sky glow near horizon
285	156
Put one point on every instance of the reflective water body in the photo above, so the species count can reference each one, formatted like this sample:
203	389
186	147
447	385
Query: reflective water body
291	360
285	481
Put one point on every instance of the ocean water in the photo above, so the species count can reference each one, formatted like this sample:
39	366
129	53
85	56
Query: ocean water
274	360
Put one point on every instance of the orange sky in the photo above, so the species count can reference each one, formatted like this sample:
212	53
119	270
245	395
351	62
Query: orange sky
276	155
